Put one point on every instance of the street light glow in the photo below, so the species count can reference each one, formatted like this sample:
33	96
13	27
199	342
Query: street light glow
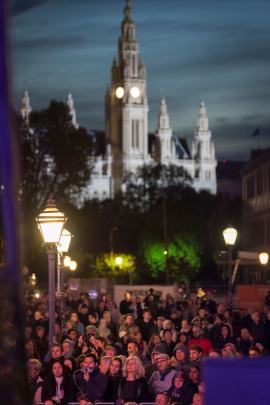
118	260
64	241
67	260
263	257
73	265
230	235
51	222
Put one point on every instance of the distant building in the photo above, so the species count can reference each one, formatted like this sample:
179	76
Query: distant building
128	145
229	180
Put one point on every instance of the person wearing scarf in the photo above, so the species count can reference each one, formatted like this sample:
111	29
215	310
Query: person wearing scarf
68	348
180	391
103	330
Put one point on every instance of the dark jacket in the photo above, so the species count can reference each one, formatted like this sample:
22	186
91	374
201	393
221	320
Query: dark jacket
149	369
215	332
145	328
140	393
259	333
220	343
49	389
244	345
111	393
185	397
95	387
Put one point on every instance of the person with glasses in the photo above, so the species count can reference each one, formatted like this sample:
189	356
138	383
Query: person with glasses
34	380
161	380
133	385
162	399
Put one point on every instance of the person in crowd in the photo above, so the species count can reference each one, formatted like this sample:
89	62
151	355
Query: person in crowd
111	342
142	344
108	351
200	320
93	319
110	325
182	356
145	325
34	380
163	311
41	342
183	338
263	350
27	332
254	352
175	320
198	399
244	343
239	354
70	301
91	382
133	385
186	328
210	305
134	348
196	352
104	364
257	329
215	332
223	339
200	339
231	348
129	326
58	387
123	343
215	353
155	338
247	320
161	379
160	348
162	399
153	306
158	327
71	364
167	340
79	361
168	324
101	309
193	377
237	323
68	348
78	325
180	391
104	331
138	308
186	312
114	312
170	303
114	375
125	305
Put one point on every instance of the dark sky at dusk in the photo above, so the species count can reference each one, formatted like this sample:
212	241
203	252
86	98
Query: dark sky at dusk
211	50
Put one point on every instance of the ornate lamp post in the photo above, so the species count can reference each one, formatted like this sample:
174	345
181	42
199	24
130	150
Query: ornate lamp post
230	237
62	248
50	223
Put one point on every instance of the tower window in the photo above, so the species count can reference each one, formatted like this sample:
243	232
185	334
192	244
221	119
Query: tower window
134	64
135	134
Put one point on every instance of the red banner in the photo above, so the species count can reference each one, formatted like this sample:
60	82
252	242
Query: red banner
252	296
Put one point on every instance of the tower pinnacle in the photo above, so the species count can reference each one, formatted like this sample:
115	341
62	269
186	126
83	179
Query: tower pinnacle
26	108
202	121
128	11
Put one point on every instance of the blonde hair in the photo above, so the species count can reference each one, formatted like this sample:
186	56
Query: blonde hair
139	367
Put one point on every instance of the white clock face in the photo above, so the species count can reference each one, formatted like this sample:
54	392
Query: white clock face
119	92
135	92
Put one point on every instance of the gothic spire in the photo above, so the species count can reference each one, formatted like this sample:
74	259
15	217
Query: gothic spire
26	108
163	116
202	121
128	11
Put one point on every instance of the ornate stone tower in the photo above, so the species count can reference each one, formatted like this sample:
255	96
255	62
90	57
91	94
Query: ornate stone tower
164	145
203	152
26	108
126	105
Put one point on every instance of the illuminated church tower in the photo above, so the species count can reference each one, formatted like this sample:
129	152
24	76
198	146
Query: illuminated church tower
127	106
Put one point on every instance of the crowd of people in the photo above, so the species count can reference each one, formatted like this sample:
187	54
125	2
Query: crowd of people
148	350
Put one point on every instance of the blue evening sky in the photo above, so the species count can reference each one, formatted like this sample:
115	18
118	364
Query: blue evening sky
211	50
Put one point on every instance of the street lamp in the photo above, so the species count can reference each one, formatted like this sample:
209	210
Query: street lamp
62	248
263	258
50	223
118	260
230	237
67	261
73	265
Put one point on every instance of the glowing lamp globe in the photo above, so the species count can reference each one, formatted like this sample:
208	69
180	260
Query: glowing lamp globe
118	261
73	265
230	236
50	223
64	241
263	258
135	92
119	92
67	261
